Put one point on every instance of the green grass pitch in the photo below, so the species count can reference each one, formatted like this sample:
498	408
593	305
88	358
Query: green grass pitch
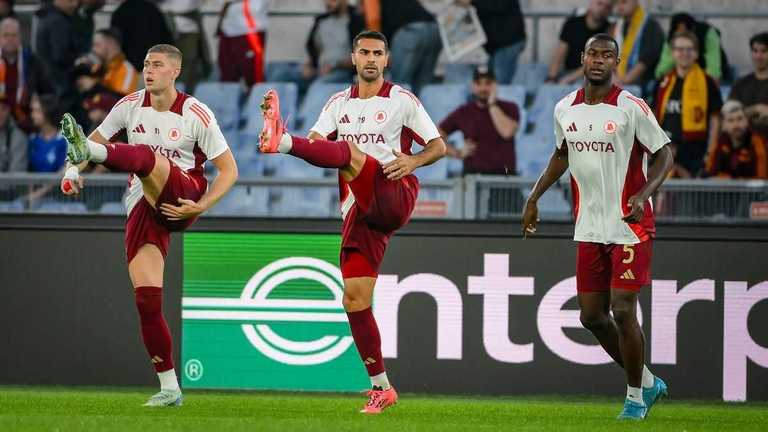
64	409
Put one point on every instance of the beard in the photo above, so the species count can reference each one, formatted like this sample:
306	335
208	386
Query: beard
368	76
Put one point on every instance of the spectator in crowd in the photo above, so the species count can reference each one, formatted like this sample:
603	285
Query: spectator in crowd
489	126
119	75
47	147
84	20
565	67
330	42
6	8
13	141
504	28
88	79
640	39
98	106
752	90
190	38
414	41
141	25
740	152
58	45
242	32
712	58
22	73
687	105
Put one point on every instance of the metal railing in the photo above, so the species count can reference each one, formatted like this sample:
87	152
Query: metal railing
474	197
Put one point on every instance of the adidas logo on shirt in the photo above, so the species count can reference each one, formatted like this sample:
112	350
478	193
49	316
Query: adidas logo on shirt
139	129
572	128
628	275
345	120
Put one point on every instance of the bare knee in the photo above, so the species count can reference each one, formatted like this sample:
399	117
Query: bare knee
354	302
594	320
624	314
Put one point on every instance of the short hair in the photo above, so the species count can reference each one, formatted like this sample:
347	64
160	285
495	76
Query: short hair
49	104
167	49
111	33
731	106
370	34
603	37
761	38
691	36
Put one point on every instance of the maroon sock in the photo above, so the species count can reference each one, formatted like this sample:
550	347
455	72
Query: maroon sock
131	158
322	153
154	329
365	332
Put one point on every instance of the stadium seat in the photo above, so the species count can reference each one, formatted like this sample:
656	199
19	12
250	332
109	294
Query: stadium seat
458	73
61	207
533	152
441	99
243	201
303	201
634	89
725	91
224	100
283	71
543	107
316	98
11	206
531	76
180	86
112	208
516	94
289	96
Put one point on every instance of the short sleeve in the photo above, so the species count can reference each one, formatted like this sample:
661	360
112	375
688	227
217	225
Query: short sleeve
566	30
559	134
511	110
417	120
206	130
647	129
326	122
450	124
117	119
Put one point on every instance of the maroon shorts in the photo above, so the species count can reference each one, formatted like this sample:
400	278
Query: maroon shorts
147	225
381	207
600	267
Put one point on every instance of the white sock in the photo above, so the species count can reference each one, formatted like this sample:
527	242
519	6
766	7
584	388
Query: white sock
98	151
380	380
286	143
648	377
168	380
635	394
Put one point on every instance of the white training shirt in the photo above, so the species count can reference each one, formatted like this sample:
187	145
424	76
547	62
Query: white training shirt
187	134
391	120
607	156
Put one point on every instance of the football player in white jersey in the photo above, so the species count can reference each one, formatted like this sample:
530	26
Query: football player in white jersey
170	137
375	123
605	135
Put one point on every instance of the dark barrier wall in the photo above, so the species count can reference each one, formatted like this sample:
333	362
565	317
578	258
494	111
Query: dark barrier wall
463	308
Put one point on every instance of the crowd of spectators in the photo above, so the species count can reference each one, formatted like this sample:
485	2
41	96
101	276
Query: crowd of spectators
68	65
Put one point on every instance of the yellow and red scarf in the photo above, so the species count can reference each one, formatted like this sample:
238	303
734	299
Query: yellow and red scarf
693	101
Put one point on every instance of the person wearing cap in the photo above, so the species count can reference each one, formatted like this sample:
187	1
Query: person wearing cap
13	141
489	126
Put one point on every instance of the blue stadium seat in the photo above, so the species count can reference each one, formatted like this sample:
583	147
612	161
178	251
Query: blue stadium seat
531	76
224	100
289	96
533	153
516	94
11	206
62	207
112	208
283	71
303	201
543	107
180	86
725	91
634	89
243	201
316	98
440	100
458	73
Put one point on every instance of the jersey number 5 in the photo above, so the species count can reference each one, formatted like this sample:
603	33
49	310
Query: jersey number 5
630	254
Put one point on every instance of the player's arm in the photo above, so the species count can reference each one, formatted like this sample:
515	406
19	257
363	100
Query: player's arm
555	169
657	173
405	164
558	57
